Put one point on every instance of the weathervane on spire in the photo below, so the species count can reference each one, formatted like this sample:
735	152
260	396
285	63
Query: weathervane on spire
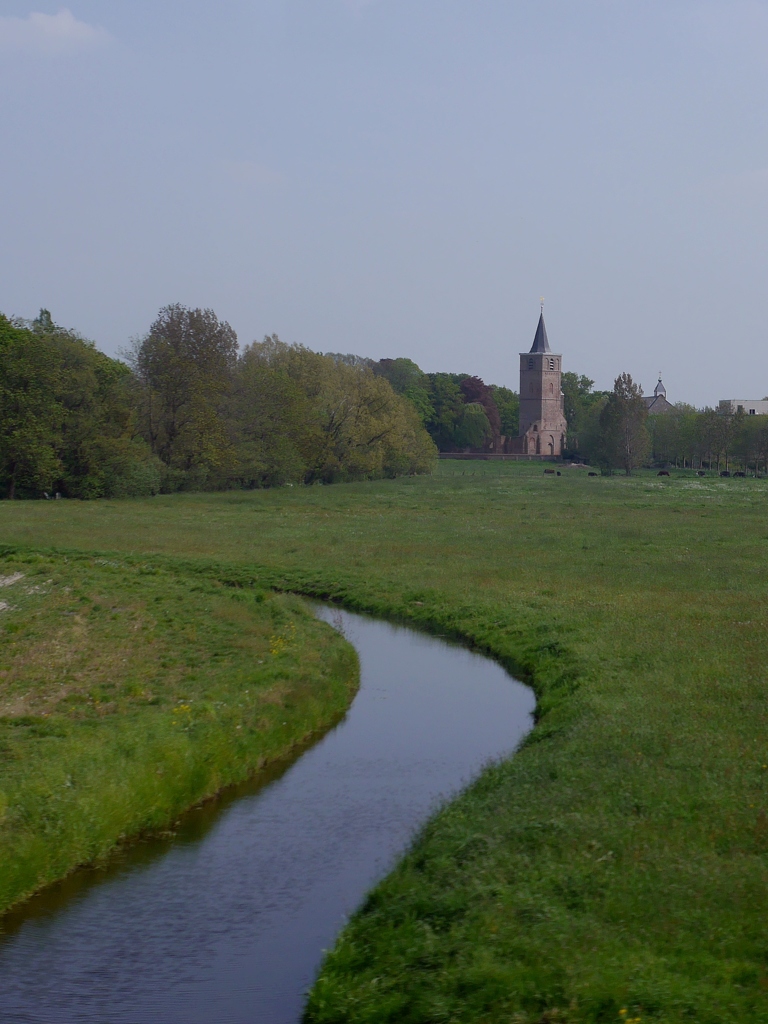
541	300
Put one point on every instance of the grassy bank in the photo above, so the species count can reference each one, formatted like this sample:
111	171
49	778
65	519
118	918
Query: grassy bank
129	693
616	867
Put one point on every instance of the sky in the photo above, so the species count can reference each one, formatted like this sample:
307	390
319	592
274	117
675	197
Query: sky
400	178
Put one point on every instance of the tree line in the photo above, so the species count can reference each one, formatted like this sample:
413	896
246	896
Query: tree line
461	412
713	438
458	410
187	409
614	431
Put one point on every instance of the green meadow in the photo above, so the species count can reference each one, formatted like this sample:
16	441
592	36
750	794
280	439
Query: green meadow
129	693
614	869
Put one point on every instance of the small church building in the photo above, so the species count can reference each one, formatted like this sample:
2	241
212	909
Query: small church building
542	419
657	403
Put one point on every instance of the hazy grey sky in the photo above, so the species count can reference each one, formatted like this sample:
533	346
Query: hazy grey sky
400	177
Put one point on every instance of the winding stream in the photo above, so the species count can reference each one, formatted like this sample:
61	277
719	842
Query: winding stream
226	922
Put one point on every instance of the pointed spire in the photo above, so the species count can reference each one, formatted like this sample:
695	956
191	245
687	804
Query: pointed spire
660	389
541	342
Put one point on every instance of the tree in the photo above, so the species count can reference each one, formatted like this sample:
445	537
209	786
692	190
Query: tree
689	433
190	412
184	370
709	434
747	442
665	438
508	404
337	419
269	415
624	436
31	411
762	443
476	391
579	404
728	429
473	429
589	442
407	379
43	323
577	390
66	422
448	405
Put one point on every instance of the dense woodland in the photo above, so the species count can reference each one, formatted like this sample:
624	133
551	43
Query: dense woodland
188	409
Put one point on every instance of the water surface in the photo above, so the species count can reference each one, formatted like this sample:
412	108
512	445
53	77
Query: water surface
226	922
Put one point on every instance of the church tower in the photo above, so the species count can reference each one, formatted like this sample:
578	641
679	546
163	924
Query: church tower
542	419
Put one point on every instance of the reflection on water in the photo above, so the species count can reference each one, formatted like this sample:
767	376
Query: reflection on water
225	921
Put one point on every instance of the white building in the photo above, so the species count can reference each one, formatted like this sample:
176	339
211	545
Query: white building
749	406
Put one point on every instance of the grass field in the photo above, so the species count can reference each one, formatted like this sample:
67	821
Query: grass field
129	693
616	868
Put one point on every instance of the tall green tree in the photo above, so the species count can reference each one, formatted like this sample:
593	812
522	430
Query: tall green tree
339	419
727	428
666	439
581	405
625	442
476	391
66	421
184	369
448	408
508	404
473	430
408	380
269	417
709	432
31	410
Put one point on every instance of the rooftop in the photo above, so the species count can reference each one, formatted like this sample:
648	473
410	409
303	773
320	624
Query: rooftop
541	342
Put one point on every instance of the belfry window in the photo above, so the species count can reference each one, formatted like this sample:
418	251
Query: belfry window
551	364
530	363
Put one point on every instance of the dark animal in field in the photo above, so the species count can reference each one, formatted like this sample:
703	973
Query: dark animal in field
739	474
663	472
591	474
700	472
549	471
725	472
558	472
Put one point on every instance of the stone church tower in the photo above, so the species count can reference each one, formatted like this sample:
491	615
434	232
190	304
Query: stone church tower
542	419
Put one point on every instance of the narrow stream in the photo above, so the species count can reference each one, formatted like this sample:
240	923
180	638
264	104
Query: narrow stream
226	922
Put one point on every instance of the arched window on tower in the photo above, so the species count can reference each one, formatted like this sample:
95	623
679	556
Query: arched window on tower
551	364
551	389
530	363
